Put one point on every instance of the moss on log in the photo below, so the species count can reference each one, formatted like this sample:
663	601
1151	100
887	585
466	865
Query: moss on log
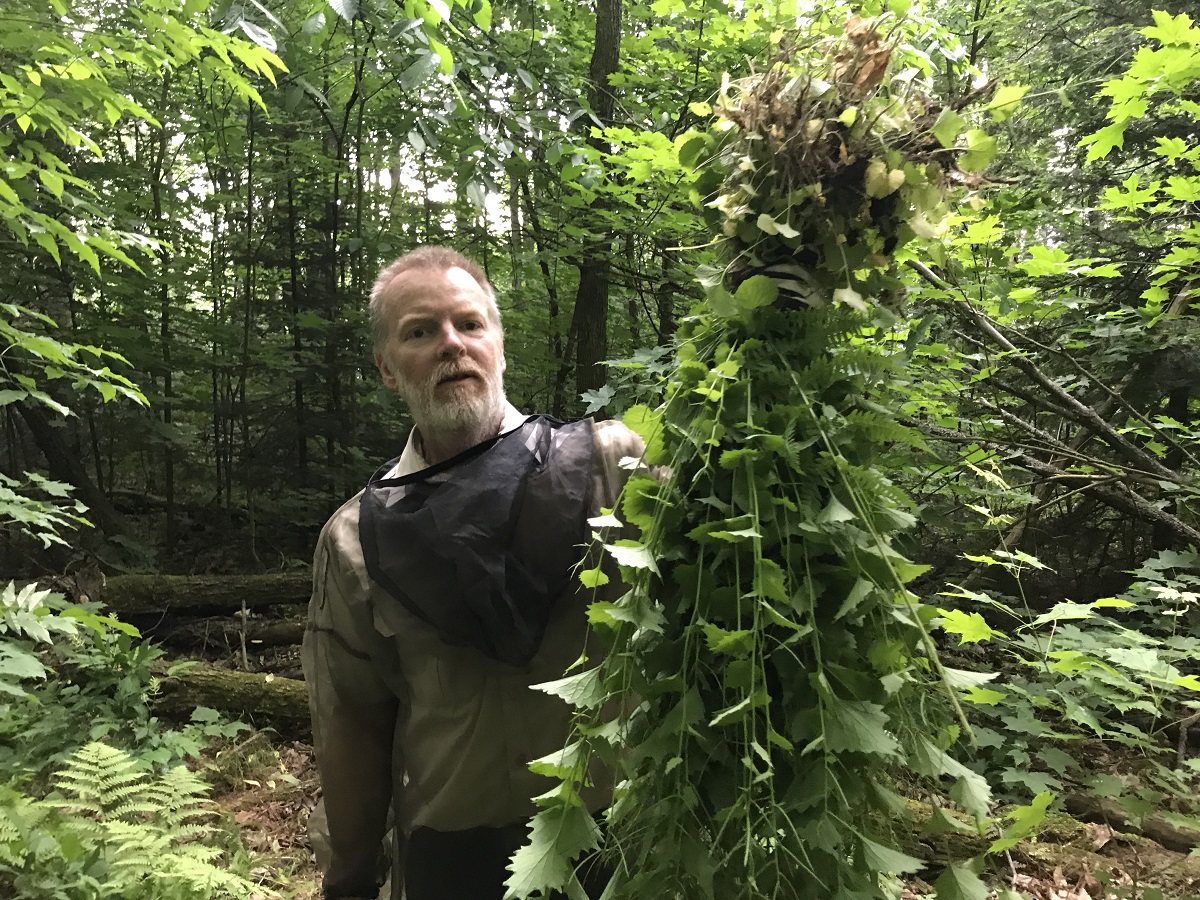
135	595
260	700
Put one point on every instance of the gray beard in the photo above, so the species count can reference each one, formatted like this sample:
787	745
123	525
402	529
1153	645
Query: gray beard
466	412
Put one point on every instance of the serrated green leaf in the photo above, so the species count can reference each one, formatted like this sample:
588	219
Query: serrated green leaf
769	225
1024	819
633	555
582	690
970	627
887	860
20	664
646	423
860	727
557	836
346	9
733	643
961	679
1005	100
834	512
593	578
960	883
942	822
981	150
948	127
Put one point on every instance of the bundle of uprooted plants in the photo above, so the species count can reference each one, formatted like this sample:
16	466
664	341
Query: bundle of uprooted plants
770	674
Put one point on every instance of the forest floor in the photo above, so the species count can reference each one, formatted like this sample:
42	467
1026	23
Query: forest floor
266	791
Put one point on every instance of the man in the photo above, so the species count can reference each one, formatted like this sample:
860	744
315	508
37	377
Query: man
441	593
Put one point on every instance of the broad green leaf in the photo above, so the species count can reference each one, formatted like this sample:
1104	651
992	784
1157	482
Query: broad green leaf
593	578
1024	819
20	664
1168	29
880	181
1005	100
958	882
859	727
943	822
962	679
258	34
562	763
981	150
647	424
582	690
632	555
834	513
769	225
606	520
948	127
756	291
970	627
848	296
770	581
346	9
557	836
732	643
483	15
887	860
445	59
1102	142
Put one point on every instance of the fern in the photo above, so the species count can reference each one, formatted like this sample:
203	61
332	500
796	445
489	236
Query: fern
114	830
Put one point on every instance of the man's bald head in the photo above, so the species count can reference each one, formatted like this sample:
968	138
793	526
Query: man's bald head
438	259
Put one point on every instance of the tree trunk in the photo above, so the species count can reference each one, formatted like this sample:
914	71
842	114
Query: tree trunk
590	319
65	465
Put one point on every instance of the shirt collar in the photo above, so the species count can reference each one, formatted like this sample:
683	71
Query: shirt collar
412	461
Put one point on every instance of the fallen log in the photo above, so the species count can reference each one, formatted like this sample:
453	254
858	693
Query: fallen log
1154	826
225	632
139	595
264	701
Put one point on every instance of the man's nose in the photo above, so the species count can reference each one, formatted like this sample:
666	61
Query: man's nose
451	343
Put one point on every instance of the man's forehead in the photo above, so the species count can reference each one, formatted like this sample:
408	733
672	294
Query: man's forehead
423	287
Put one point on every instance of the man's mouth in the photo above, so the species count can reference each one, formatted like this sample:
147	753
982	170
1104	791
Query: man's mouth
456	377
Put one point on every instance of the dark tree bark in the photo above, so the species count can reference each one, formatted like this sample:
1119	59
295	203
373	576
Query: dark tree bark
65	465
297	341
590	319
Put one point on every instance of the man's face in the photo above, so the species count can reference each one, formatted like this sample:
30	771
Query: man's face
443	354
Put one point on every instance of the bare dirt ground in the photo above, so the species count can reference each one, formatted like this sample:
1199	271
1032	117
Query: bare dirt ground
266	792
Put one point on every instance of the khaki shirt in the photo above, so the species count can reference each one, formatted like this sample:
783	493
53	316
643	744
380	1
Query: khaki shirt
449	731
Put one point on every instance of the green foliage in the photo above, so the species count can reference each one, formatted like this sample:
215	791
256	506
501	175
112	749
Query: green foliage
112	827
771	668
27	621
1081	676
69	76
113	830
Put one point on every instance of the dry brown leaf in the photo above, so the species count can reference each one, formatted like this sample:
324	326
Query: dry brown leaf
1098	835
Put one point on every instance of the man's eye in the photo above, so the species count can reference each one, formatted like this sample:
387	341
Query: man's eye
417	333
471	326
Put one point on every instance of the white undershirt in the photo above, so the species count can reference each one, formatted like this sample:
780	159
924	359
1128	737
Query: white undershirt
412	461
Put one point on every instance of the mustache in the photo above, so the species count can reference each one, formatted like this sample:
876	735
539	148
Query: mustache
446	371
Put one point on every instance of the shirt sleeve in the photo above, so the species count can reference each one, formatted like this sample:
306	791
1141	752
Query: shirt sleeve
353	717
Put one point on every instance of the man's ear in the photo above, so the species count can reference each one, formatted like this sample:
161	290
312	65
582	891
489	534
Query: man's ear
385	372
503	363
